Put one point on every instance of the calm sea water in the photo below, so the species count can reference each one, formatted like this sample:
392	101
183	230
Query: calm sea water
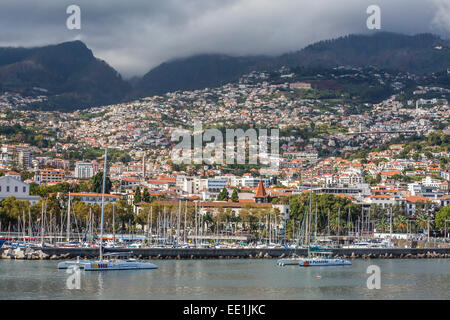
230	279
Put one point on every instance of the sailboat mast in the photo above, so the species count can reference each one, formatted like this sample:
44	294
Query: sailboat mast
196	225
310	212
178	223
339	221
42	224
315	226
90	224
68	221
103	205
185	223
114	225
148	226
30	232
24	225
151	224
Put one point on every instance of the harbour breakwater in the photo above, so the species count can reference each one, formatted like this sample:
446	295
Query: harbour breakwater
223	253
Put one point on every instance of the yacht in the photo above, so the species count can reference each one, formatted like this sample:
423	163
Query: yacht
320	257
368	244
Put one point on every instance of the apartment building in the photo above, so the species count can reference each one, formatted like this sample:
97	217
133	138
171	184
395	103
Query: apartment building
46	176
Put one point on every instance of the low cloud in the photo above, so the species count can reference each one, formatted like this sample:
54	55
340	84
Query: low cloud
134	36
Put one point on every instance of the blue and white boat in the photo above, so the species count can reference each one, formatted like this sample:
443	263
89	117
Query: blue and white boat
318	257
2	242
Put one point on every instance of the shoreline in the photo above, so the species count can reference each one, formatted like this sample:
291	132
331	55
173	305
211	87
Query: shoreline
224	253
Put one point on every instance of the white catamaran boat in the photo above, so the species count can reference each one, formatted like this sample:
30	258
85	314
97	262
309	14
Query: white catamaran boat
118	264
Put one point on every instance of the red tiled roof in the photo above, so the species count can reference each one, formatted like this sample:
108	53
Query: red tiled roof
417	199
87	194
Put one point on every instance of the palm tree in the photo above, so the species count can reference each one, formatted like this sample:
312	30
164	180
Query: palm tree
348	226
400	223
422	221
336	225
382	224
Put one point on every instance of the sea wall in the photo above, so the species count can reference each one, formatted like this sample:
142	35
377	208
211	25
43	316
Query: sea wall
247	253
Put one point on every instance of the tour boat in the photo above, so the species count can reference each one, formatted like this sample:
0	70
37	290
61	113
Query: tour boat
318	261
317	257
368	244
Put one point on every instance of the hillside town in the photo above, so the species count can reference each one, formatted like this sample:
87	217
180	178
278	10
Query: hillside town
390	154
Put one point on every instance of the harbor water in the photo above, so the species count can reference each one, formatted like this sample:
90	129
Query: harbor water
230	279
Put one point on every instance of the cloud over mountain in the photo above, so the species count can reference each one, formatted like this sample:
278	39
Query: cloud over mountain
134	36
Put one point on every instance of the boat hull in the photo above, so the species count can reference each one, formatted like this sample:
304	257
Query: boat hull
288	261
70	264
118	265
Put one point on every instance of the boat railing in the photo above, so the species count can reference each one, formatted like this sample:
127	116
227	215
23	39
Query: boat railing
118	254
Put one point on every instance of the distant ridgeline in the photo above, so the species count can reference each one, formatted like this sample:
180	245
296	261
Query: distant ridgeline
72	78
68	74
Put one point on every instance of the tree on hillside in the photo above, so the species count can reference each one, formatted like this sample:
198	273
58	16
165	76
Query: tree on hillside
441	216
223	195
97	183
234	196
146	196
137	195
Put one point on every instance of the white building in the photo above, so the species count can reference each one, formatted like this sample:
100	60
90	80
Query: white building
84	170
13	187
94	198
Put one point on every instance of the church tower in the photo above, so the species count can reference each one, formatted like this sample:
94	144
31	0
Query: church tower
261	196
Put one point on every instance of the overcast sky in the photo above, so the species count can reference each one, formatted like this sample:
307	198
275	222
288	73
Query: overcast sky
134	36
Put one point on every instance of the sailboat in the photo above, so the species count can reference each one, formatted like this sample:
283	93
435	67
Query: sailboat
111	263
294	259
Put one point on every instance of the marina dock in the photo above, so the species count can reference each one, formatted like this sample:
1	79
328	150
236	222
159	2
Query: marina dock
229	253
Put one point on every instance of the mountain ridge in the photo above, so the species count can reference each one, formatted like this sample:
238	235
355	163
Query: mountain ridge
69	71
76	79
383	49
